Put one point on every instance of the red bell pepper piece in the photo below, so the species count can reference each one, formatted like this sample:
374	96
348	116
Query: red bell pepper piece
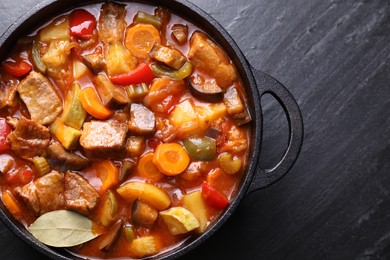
82	24
142	74
21	177
5	130
16	69
213	198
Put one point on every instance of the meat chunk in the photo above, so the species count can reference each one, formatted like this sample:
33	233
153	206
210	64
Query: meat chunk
210	59
44	194
64	160
40	98
7	93
142	120
112	22
80	196
29	138
104	139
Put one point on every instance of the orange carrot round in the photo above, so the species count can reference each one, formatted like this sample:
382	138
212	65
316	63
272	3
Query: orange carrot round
93	105
171	159
147	169
141	38
108	174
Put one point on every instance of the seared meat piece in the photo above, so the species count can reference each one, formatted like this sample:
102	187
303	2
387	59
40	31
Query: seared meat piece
104	139
95	61
29	138
64	160
112	23
7	93
44	194
208	58
40	98
142	120
80	196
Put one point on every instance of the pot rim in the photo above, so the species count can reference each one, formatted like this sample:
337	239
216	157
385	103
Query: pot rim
207	23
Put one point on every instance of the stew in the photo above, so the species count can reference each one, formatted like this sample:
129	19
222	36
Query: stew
124	131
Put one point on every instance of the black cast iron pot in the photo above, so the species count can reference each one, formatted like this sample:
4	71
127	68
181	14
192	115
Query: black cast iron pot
256	84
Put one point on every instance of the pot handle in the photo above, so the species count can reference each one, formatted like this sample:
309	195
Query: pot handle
268	85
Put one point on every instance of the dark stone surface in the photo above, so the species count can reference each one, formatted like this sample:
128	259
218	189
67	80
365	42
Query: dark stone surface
334	58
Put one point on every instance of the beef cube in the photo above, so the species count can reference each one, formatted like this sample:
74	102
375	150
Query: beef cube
29	138
210	59
7	93
142	120
41	100
44	194
80	195
112	23
104	139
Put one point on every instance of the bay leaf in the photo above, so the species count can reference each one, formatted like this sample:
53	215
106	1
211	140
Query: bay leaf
62	228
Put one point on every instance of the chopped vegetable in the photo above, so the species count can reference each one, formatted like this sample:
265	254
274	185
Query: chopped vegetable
57	30
185	119
180	33
110	94
163	89
109	238
74	114
171	158
141	38
20	177
142	74
108	174
209	113
149	193
205	90
16	69
182	73
142	17
129	232
119	60
79	69
137	91
142	214
6	163
36	57
171	57
95	62
135	145
201	148
194	202
213	198
109	210
68	136
127	167
82	24
64	160
11	203
233	101
5	130
229	164
147	169
41	165
93	105
179	220
144	246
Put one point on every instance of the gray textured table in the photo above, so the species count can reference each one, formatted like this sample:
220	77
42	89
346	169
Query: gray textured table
334	58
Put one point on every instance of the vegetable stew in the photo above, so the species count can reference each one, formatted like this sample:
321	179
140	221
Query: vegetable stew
124	131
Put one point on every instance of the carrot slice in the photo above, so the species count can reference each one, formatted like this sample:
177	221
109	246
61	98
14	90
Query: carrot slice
93	105
171	159
141	38
147	169
11	204
108	174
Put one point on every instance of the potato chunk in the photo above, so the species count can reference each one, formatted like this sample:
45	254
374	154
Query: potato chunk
179	220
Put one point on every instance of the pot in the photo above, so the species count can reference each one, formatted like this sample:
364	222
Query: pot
256	84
